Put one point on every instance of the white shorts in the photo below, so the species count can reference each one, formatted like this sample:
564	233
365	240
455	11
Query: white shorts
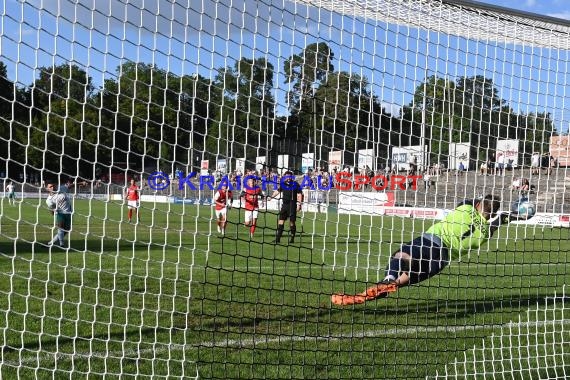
249	215
221	213
133	204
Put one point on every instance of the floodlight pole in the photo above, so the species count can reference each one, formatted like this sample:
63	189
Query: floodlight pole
424	153
191	151
314	117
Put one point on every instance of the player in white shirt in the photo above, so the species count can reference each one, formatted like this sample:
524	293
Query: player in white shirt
535	163
11	194
59	204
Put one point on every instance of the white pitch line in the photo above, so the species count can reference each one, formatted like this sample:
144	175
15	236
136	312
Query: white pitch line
377	333
162	348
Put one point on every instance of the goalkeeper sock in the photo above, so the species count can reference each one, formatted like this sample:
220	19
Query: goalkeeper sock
61	236
279	232
292	232
396	267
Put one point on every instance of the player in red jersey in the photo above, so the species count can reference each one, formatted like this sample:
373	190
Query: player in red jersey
249	198
223	201
132	195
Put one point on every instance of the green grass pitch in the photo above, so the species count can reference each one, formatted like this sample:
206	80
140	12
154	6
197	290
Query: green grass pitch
167	298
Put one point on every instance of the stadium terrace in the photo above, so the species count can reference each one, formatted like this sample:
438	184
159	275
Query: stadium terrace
343	181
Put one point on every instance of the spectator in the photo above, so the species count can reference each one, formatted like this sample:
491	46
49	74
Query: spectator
535	163
427	180
551	164
413	165
484	169
461	168
516	185
522	186
500	168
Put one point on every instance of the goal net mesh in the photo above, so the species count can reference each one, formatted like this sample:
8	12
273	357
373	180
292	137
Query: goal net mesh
388	112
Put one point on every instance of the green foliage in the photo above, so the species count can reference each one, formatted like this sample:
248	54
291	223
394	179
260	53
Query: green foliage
7	98
305	70
471	110
58	120
245	114
345	113
150	118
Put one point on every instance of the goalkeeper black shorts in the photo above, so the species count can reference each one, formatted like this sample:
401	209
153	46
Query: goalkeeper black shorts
428	258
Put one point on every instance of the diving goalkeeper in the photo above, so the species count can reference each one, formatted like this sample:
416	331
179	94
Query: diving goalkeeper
467	227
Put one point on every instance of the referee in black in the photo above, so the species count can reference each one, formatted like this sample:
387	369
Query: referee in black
291	201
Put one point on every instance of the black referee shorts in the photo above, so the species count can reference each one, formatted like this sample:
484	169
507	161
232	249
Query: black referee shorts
288	213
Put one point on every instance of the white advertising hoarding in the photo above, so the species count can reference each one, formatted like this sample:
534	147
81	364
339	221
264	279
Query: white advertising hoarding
204	167
560	149
240	165
510	149
459	153
222	166
282	163
259	163
547	219
366	158
404	155
369	203
335	160
307	162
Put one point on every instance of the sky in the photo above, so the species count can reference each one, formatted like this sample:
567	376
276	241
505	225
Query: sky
553	8
200	36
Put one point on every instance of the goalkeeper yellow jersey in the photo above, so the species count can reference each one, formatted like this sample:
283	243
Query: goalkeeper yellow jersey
462	230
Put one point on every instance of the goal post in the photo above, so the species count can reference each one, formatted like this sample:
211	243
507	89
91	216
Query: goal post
388	113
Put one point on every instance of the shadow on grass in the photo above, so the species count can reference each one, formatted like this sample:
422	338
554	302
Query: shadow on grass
48	344
438	309
11	248
462	309
296	315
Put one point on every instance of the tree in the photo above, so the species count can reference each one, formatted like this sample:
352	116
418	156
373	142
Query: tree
435	104
482	112
245	115
7	99
341	119
306	71
471	110
57	129
158	117
535	130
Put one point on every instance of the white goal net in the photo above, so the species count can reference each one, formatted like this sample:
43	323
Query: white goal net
130	115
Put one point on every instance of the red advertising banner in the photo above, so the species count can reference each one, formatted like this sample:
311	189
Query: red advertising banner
560	149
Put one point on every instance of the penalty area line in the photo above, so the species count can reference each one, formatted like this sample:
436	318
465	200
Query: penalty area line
40	356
